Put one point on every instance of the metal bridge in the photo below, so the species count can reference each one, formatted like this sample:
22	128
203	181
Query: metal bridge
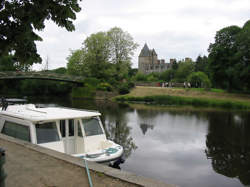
44	75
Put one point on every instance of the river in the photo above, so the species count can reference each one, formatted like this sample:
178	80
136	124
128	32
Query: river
183	146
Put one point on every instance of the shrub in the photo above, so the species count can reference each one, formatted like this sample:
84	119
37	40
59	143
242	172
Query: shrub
91	81
123	89
104	87
199	79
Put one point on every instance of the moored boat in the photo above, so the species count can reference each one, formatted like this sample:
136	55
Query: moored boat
72	131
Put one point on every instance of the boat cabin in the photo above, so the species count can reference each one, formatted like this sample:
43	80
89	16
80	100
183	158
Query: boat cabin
72	131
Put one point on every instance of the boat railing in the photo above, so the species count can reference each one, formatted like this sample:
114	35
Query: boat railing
85	110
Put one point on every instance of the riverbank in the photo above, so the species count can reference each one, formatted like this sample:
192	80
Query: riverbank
182	96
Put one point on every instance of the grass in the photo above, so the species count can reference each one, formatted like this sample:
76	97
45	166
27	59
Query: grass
193	97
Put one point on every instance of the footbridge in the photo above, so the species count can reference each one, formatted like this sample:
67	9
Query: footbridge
43	75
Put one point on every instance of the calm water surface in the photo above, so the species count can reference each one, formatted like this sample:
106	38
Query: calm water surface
179	146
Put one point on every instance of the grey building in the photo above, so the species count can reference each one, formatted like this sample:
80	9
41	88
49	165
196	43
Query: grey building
148	61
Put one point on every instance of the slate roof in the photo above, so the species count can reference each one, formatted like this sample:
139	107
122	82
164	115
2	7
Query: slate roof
145	51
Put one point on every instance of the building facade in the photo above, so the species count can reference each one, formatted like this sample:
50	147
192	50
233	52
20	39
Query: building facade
148	61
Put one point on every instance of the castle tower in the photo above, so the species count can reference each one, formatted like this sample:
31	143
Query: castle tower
147	60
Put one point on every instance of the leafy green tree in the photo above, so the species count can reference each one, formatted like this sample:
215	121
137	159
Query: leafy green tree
7	63
184	69
199	79
168	75
201	64
19	19
61	70
222	58
76	65
122	49
96	55
243	56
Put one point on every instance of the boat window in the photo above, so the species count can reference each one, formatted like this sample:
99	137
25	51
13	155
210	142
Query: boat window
79	130
46	132
92	127
16	130
71	127
62	127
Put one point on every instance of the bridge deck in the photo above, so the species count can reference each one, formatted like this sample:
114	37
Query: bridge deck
40	75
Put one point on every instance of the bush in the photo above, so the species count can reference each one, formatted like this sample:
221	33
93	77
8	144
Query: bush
199	79
104	87
124	89
92	81
131	85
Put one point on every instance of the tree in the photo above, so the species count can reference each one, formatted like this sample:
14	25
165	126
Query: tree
201	64
7	63
222	58
243	56
122	49
229	58
199	79
184	69
19	19
97	54
168	75
105	56
76	63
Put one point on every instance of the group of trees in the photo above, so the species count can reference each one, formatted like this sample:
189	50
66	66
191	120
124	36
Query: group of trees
229	58
105	56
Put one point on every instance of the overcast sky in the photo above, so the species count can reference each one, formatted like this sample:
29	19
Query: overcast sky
174	28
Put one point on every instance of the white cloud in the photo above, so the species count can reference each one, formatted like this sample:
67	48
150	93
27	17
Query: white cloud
176	29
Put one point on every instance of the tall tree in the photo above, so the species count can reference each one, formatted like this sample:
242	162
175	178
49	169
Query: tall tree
19	19
243	56
76	63
122	49
222	59
201	64
97	54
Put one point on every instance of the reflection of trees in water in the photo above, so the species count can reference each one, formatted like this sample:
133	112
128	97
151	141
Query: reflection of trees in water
114	121
117	129
228	145
119	132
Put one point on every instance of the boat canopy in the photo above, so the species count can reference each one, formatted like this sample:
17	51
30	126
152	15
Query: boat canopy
40	115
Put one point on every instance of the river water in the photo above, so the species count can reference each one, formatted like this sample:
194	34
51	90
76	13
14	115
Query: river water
183	146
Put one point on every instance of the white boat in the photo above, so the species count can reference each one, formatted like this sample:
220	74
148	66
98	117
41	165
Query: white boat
76	132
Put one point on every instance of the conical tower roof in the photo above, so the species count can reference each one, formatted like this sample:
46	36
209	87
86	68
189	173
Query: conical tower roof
154	53
145	51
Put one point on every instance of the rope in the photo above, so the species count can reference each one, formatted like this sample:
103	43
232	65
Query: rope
89	177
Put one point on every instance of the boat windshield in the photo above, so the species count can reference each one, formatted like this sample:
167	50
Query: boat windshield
46	132
92	127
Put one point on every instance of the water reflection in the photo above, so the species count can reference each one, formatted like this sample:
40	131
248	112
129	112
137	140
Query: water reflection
114	118
145	127
228	145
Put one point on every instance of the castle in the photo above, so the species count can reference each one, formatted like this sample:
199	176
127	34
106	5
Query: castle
148	61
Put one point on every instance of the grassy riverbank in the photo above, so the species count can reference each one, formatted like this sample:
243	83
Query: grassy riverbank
181	96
